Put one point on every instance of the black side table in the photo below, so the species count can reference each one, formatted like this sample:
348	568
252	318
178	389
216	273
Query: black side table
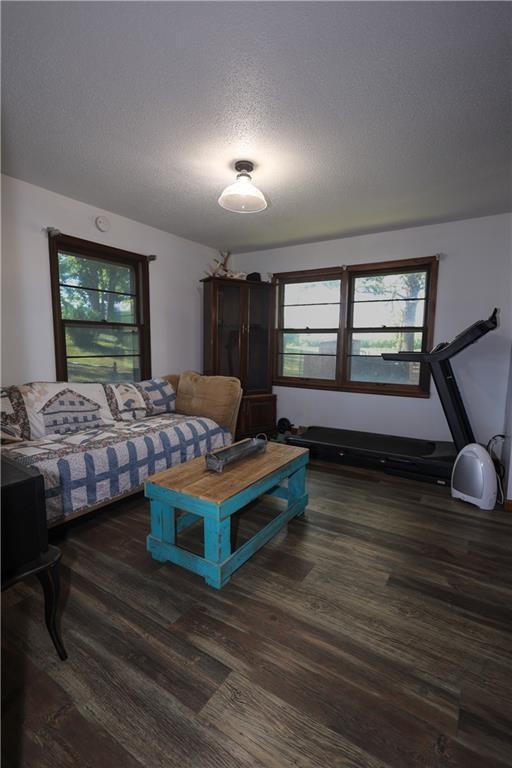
25	548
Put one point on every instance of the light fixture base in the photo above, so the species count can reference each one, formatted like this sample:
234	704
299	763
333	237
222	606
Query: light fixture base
244	165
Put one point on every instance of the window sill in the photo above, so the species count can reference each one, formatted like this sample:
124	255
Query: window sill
394	390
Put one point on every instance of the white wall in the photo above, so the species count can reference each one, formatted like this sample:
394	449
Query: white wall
475	275
507	454
27	330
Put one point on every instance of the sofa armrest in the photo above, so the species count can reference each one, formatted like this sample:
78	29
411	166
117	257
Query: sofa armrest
215	397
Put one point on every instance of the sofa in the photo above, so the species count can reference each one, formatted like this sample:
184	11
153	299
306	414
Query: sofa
96	443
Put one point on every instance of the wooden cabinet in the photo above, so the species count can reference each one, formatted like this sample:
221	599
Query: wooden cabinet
238	333
257	414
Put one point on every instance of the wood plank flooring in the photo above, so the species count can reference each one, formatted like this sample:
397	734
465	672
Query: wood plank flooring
374	633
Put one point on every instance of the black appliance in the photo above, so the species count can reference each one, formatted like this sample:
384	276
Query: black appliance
25	548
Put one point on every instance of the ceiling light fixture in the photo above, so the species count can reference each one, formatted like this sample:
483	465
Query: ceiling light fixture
243	196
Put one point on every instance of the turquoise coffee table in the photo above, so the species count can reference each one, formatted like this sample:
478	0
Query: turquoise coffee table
200	494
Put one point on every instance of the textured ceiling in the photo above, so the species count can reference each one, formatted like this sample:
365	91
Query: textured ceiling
359	116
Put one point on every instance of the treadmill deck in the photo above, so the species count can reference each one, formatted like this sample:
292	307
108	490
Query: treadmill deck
371	442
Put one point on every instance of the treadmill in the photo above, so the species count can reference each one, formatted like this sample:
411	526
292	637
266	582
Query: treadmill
406	456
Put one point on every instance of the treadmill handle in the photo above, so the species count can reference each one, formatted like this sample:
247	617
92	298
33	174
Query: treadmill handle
448	349
411	357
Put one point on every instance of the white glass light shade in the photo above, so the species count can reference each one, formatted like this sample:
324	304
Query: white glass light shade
243	196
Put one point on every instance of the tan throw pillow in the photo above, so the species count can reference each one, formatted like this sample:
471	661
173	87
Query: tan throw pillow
215	397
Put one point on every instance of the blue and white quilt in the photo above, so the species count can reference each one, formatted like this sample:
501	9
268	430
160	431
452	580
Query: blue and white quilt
100	464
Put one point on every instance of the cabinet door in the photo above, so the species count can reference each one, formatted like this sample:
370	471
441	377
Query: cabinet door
229	330
259	318
257	414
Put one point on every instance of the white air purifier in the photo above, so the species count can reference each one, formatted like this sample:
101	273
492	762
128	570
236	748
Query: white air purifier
474	477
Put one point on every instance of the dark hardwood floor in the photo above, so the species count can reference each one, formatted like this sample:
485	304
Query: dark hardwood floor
374	633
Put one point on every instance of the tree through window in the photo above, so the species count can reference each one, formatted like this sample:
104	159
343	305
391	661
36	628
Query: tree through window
334	325
387	314
101	313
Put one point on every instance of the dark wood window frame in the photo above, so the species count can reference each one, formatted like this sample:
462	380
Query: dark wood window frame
345	275
98	251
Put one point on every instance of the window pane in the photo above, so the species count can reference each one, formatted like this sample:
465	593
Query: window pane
375	369
409	285
312	316
92	341
379	342
309	343
83	304
308	366
372	314
323	291
104	369
95	273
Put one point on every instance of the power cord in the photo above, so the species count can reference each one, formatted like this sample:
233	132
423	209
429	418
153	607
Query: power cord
498	465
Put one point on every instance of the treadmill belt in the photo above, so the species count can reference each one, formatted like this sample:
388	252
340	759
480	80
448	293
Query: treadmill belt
376	443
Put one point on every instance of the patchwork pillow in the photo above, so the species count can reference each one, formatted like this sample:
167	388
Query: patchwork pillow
130	401
126	401
159	395
64	407
10	427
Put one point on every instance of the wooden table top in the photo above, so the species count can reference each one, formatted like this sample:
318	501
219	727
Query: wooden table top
193	479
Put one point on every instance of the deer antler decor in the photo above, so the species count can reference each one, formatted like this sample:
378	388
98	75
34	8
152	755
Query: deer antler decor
220	267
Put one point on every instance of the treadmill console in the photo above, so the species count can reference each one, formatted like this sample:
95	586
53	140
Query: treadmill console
447	349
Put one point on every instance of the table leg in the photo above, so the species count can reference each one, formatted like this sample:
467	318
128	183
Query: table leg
50	582
163	525
297	491
217	547
235	522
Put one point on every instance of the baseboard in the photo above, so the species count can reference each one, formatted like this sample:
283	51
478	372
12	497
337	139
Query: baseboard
508	505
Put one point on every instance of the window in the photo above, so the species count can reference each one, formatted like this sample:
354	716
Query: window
100	311
309	320
334	324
